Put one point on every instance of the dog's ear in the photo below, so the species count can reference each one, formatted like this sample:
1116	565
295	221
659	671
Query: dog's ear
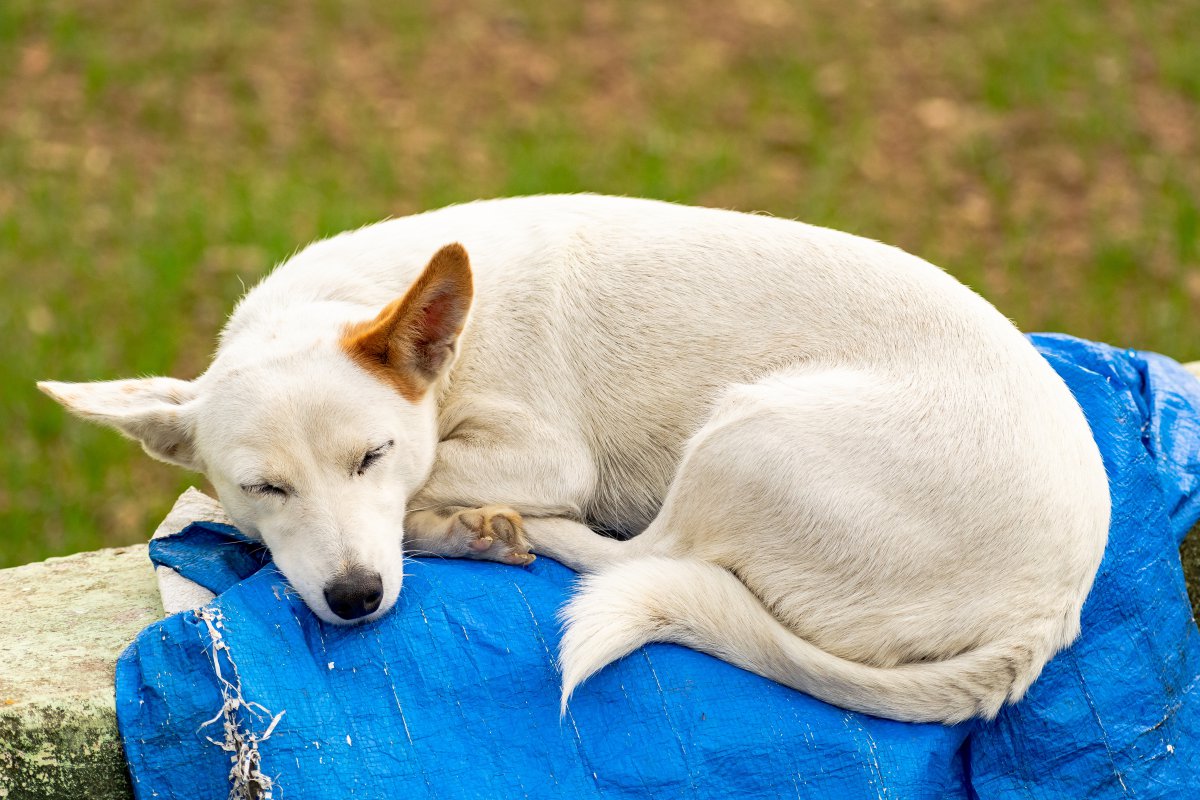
413	340
153	411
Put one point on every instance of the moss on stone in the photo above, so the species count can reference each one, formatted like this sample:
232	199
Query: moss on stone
1190	555
63	622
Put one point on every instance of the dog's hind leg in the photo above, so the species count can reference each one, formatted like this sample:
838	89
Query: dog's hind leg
817	534
579	547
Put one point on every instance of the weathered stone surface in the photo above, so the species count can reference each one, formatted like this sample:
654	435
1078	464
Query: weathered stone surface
1190	552
177	592
63	622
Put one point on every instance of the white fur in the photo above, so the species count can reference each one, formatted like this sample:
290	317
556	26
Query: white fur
849	473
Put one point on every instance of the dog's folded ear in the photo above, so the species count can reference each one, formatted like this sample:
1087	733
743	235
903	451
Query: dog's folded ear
413	340
154	411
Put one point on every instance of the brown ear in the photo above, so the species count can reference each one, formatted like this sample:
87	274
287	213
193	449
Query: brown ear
413	339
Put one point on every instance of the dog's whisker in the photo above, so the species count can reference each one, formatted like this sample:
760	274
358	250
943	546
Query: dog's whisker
424	554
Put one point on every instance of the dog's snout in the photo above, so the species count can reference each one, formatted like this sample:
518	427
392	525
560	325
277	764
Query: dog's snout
354	594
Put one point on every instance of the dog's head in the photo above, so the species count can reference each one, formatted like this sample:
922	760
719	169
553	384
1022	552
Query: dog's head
314	443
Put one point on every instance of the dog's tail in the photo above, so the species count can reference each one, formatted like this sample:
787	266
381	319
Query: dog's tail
692	602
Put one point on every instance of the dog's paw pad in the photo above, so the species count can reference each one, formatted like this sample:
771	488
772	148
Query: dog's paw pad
494	533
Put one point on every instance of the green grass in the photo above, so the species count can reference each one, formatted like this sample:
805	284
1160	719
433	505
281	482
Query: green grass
154	156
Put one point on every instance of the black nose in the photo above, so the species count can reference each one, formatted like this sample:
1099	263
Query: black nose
354	594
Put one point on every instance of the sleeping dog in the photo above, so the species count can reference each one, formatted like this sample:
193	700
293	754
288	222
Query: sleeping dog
846	471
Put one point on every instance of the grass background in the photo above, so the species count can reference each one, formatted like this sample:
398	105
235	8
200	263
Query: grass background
156	155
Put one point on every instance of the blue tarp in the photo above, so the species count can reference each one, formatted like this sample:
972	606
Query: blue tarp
455	694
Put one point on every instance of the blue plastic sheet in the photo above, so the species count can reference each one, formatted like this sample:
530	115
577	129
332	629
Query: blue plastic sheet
455	693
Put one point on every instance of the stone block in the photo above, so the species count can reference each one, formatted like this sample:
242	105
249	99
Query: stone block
63	622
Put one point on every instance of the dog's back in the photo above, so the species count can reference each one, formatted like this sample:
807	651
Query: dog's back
631	316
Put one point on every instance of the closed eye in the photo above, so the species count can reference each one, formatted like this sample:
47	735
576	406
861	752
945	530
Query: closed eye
372	456
265	489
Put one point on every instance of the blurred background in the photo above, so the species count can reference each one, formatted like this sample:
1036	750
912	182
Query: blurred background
155	157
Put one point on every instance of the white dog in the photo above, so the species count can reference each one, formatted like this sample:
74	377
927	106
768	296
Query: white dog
847	472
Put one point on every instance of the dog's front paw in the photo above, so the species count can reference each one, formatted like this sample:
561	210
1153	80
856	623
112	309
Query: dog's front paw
493	533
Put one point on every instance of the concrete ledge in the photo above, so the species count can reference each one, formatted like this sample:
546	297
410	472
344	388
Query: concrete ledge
1189	553
63	622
